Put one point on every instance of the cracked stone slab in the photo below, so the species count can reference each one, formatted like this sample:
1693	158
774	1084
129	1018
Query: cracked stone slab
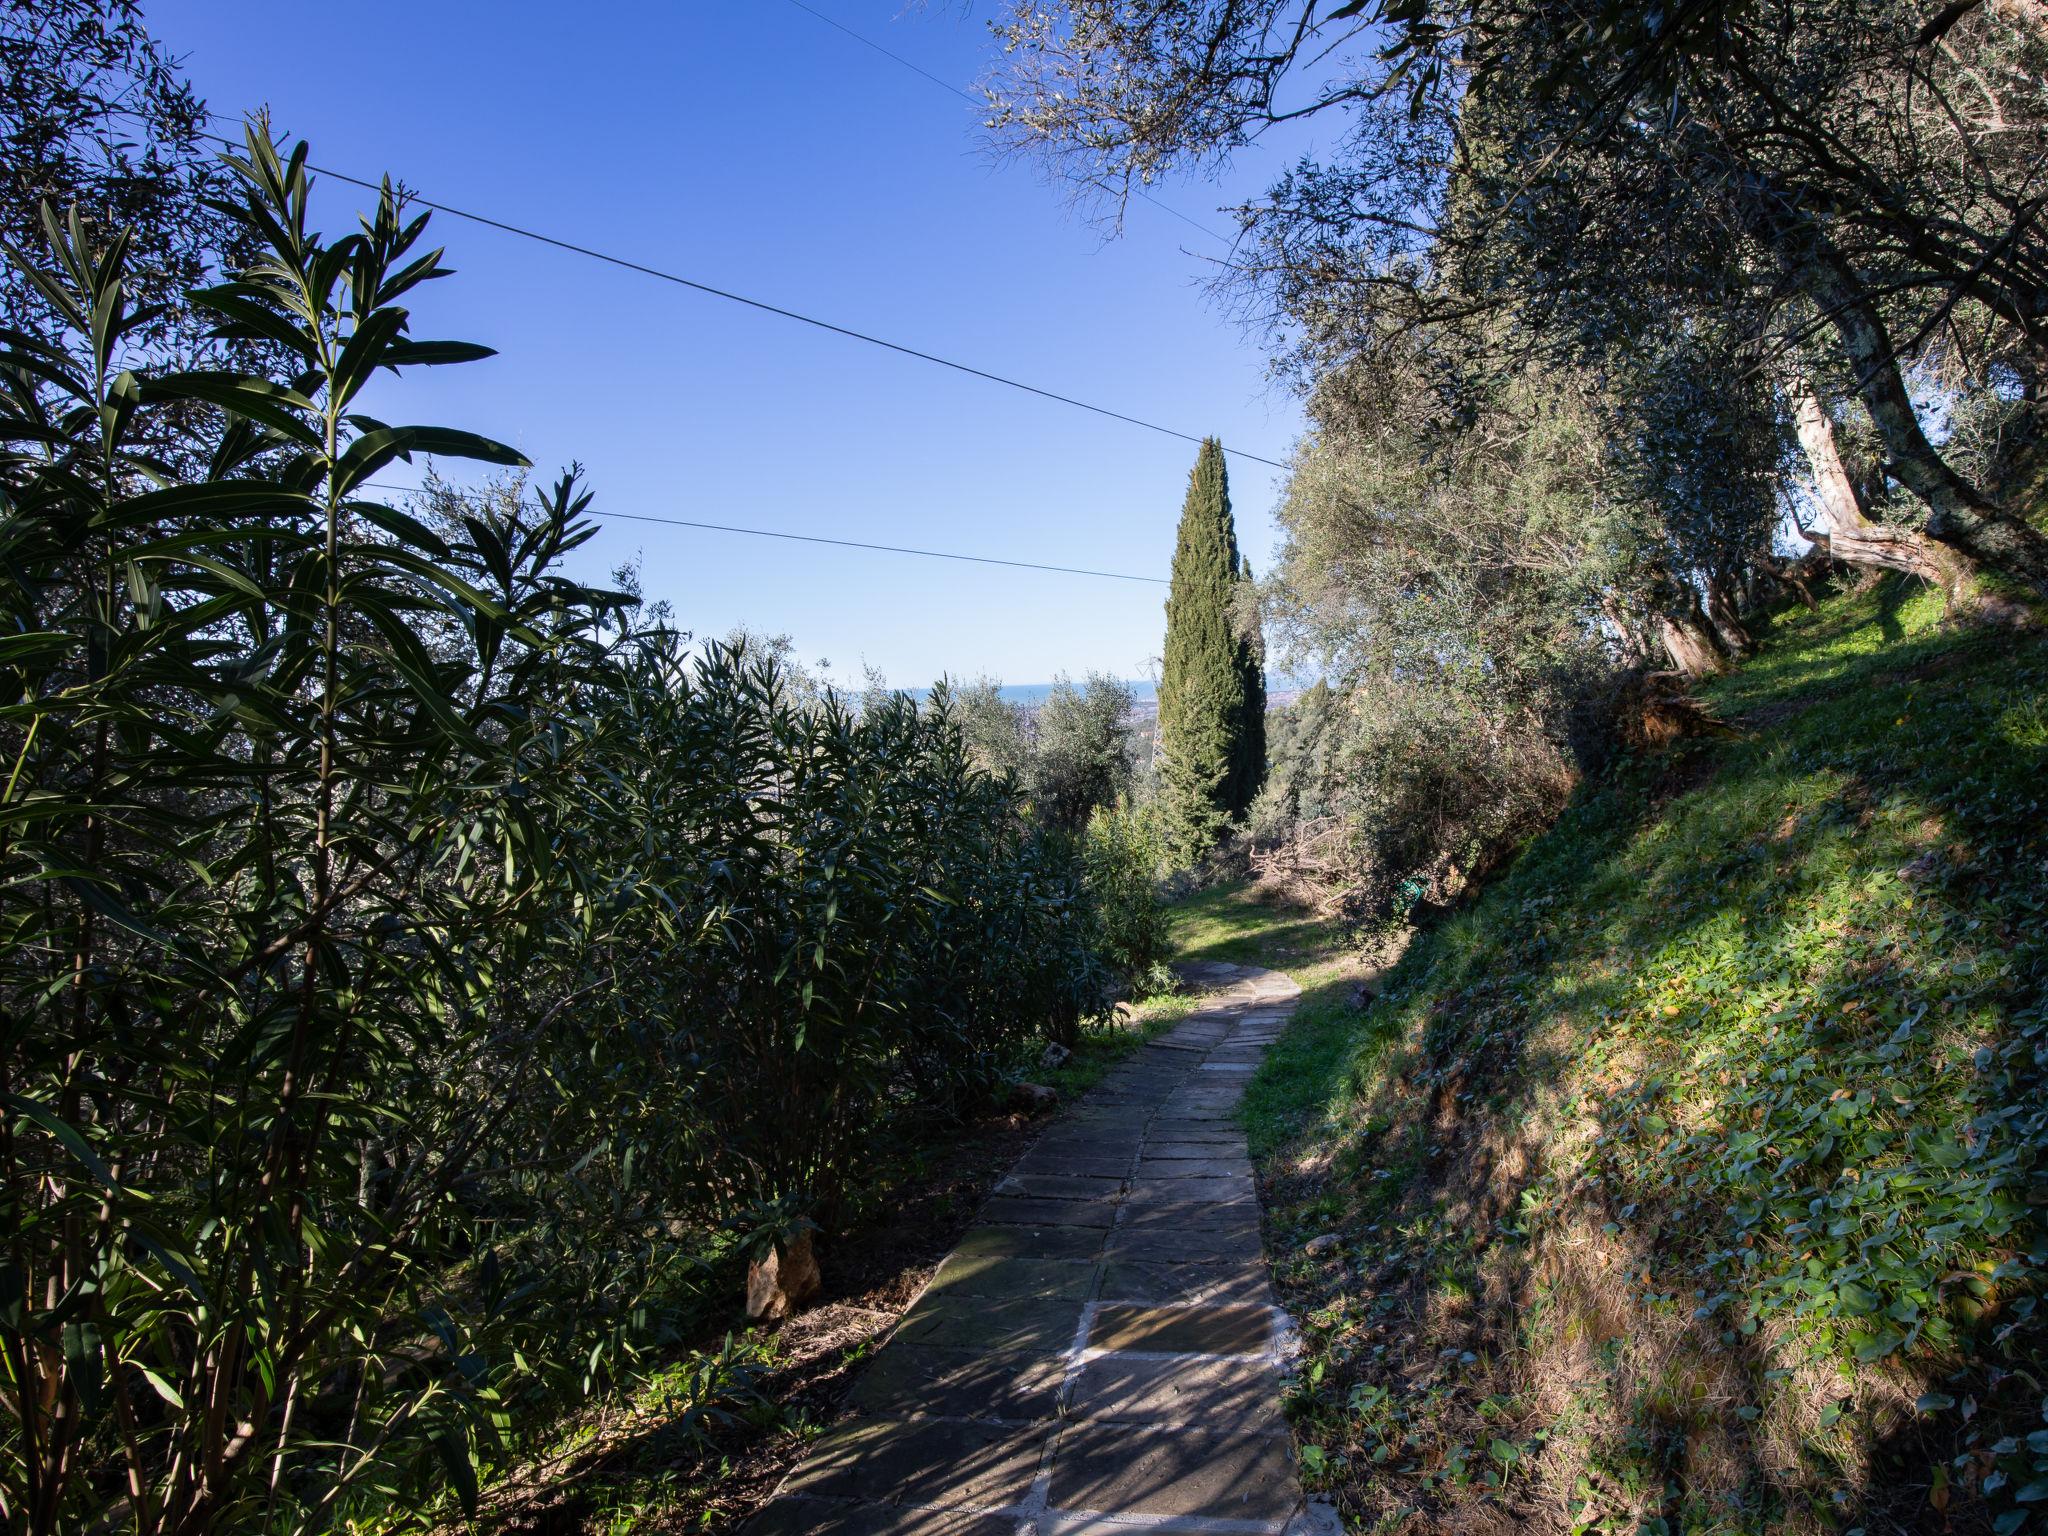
1066	1167
1194	1167
1056	1186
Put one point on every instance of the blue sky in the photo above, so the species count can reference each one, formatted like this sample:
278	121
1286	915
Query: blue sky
752	146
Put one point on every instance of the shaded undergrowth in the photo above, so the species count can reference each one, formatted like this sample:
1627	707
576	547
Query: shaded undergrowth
1691	1178
710	1429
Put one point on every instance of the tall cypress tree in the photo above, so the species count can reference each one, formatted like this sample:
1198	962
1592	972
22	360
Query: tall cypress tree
1203	688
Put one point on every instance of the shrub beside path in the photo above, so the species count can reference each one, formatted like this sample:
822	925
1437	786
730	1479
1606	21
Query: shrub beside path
1102	1352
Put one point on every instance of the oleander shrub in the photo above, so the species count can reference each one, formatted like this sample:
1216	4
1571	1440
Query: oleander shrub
413	967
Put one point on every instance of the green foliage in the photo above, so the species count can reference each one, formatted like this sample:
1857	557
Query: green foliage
1760	1029
95	116
1080	750
997	734
1609	187
414	968
1124	856
1454	581
1208	772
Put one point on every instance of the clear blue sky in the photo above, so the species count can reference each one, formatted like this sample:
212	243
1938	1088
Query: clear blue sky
752	146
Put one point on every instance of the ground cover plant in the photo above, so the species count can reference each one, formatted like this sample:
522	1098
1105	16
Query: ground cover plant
1691	1179
425	977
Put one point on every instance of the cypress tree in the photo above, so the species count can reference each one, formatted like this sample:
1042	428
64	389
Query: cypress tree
1203	686
1249	769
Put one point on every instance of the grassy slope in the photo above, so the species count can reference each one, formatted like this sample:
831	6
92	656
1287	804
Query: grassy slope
1692	1178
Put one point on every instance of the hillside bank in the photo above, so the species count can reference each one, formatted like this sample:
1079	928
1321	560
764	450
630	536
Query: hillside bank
1691	1177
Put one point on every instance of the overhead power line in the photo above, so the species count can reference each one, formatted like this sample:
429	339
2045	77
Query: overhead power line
976	101
765	307
892	549
812	538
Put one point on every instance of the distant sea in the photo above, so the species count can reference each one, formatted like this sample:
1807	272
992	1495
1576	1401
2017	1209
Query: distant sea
1031	695
1279	690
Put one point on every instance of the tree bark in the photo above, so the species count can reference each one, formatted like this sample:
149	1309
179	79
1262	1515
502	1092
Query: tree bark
1628	637
1690	645
1958	514
1845	531
1722	614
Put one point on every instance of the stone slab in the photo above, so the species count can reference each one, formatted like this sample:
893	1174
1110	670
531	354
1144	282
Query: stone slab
1194	1168
1162	1283
1093	1150
1194	1216
1160	1246
1199	1133
1182	1330
796	1515
909	1380
1063	1166
923	1461
1195	1151
1027	1324
1209	1475
1217	1190
1185	1391
1054	1186
1032	1242
996	1275
1024	1211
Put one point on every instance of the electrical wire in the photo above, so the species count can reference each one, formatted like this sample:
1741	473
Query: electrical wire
765	307
812	538
893	549
975	101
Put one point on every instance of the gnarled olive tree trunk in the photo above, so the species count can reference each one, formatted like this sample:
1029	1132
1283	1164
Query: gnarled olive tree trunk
1843	529
1959	515
1690	641
1724	614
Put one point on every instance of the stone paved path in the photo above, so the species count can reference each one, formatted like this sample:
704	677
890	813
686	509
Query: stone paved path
1102	1352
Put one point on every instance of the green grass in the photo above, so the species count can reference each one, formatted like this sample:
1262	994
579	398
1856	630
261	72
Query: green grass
1706	1146
1231	924
1100	1048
